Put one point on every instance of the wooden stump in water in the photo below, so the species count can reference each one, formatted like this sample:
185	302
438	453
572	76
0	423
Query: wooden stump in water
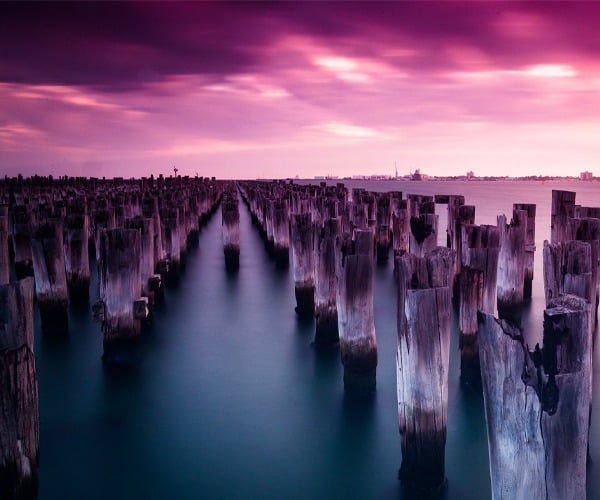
453	201
151	282
19	415
77	261
230	216
326	317
480	250
281	236
303	263
537	403
121	306
4	253
563	206
21	241
423	234
568	269
511	265
530	208
382	235
169	220
424	309
356	322
51	290
401	227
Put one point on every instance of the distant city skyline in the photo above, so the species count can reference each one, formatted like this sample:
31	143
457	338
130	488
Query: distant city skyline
276	90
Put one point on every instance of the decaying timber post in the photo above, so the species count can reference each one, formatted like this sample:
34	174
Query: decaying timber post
230	216
326	317
423	233
303	263
4	252
121	306
563	208
537	404
424	309
21	242
511	264
19	415
530	209
151	281
356	322
51	290
77	260
400	227
382	235
480	247
281	233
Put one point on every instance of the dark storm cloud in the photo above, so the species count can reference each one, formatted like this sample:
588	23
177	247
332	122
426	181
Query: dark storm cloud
122	45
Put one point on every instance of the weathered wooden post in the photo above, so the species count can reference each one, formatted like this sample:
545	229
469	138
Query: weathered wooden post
563	206
4	253
530	208
401	227
480	250
453	201
169	220
51	290
423	234
354	299
151	282
230	214
21	240
537	403
19	415
121	306
424	308
303	263
511	264
382	235
326	317
281	233
568	269
463	214
77	261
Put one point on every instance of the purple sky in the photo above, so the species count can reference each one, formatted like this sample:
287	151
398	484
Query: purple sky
283	89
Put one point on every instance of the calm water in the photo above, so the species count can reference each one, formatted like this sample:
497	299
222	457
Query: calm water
230	400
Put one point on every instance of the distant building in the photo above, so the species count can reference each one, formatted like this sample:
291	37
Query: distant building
470	174
586	176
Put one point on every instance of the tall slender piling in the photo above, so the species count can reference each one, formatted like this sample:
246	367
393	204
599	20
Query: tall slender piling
51	292
537	403
478	280
21	242
382	235
77	260
281	233
423	356
563	207
356	322
303	263
4	252
511	264
151	281
19	414
326	317
121	306
230	216
530	208
401	227
169	220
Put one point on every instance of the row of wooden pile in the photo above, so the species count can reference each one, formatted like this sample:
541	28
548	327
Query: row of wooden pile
136	231
537	401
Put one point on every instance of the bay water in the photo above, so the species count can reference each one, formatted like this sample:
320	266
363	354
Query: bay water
229	399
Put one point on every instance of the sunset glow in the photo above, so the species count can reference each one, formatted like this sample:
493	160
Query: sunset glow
277	90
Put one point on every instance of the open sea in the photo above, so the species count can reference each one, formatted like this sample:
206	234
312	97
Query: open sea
229	399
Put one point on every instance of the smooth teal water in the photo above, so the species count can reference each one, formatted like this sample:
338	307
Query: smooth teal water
230	400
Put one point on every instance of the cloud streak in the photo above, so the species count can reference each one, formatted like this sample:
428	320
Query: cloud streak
257	88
